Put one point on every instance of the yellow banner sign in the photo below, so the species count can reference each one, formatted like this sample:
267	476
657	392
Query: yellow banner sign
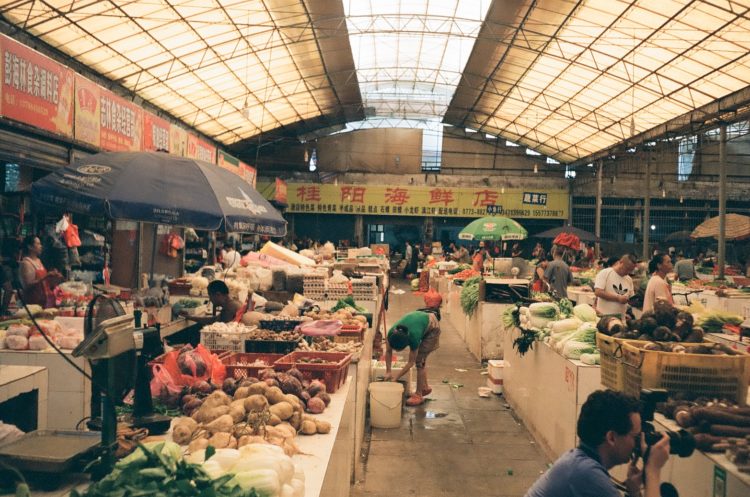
426	201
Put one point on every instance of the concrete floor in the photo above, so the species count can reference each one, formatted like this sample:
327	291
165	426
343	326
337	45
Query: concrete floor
457	443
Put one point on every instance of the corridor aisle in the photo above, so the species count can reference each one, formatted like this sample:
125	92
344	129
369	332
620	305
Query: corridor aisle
456	444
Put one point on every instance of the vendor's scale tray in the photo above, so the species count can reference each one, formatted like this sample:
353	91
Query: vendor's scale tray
49	451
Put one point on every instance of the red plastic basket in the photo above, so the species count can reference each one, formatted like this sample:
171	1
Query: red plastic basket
333	374
240	365
350	333
221	354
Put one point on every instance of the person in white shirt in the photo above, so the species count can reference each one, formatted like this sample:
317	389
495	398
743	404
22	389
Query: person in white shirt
230	258
613	287
658	287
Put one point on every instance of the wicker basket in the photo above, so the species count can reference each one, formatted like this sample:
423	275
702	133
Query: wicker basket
232	342
715	376
610	354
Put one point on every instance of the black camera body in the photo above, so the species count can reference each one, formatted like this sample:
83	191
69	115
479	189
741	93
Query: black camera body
681	443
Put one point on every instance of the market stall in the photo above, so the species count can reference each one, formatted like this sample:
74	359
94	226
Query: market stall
553	363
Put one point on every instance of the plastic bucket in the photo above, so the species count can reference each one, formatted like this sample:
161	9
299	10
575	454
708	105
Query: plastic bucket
495	376
385	404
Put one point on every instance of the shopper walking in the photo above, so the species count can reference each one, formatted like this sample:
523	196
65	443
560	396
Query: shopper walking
609	428
420	331
613	287
37	283
558	275
477	260
658	287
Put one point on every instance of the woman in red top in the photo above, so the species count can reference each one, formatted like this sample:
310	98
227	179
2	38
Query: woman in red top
36	282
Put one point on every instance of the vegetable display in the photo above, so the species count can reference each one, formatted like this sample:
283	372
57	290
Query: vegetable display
664	324
158	469
470	295
717	425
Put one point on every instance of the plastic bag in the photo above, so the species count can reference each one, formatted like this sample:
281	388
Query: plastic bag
72	239
214	371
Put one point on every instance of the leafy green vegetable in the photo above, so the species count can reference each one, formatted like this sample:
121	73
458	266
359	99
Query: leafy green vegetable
566	307
158	470
512	316
525	341
546	310
714	321
470	295
585	313
461	267
347	302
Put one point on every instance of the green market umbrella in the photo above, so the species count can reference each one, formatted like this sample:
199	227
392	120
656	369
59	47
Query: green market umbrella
493	228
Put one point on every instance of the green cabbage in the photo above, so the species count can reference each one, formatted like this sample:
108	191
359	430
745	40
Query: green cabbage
585	313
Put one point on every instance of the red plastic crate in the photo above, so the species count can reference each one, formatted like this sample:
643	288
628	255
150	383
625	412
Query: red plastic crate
332	374
221	354
239	364
350	333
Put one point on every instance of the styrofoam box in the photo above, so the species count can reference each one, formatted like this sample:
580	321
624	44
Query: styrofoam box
495	376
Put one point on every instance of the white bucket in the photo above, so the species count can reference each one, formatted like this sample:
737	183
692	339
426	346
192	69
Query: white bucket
495	376
385	404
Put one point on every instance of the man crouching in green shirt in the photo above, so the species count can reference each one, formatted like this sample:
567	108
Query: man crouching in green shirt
420	331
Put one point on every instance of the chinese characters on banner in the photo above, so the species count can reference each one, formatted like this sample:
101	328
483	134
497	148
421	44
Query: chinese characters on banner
87	111
35	90
121	123
198	149
155	133
425	201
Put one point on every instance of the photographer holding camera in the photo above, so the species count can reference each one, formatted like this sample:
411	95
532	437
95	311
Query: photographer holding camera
609	428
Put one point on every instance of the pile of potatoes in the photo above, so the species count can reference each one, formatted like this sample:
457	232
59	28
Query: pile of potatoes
257	413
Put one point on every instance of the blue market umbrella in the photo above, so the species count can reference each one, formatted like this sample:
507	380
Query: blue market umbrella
156	187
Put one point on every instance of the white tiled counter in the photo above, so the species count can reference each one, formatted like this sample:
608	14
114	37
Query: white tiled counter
17	380
547	391
68	392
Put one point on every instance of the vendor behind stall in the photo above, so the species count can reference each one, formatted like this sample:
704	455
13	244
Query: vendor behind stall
218	294
613	287
37	283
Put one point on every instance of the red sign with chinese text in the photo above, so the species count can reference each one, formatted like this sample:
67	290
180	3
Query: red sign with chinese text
155	133
120	123
198	149
87	111
35	89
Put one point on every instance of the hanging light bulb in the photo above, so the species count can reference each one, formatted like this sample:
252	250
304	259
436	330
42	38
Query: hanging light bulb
536	168
663	193
313	161
502	190
681	199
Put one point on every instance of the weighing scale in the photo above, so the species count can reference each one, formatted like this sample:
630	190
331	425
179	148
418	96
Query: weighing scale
111	344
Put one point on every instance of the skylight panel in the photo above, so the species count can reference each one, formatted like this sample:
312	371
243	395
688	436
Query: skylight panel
409	54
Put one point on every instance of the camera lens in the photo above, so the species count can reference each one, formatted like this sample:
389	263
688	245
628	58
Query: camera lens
681	443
